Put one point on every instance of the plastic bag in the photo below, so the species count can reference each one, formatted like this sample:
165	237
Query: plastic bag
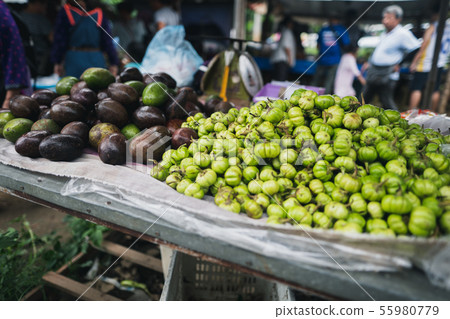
437	122
169	52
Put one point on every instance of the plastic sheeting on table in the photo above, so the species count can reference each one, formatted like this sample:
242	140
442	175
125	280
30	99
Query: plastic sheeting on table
290	244
437	122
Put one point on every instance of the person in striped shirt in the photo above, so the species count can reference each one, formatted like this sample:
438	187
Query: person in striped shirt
422	62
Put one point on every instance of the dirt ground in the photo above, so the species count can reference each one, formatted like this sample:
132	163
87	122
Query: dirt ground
42	219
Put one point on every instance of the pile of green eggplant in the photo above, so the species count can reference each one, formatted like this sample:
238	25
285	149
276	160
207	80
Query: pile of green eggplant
317	162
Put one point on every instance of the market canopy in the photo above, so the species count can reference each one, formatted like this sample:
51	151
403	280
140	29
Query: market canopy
413	9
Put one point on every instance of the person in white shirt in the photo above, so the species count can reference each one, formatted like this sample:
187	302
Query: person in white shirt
382	73
283	58
164	14
421	64
346	72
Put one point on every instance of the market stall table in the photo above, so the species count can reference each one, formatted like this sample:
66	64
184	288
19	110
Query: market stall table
325	263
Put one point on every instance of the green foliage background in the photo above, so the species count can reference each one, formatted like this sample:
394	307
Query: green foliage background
25	257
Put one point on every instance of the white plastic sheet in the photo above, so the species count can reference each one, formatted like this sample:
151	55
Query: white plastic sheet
440	122
319	248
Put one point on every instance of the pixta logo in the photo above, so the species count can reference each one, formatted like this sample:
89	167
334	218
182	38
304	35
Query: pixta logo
147	147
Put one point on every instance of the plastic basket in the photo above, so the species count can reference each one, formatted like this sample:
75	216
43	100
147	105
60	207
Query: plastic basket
190	278
276	89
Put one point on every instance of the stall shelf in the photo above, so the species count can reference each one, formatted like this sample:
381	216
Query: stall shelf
328	264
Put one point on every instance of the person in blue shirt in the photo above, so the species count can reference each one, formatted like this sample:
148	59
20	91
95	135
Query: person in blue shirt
332	40
82	36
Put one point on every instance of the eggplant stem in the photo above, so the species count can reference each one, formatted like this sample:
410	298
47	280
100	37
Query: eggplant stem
394	141
316	208
284	220
355	173
377	187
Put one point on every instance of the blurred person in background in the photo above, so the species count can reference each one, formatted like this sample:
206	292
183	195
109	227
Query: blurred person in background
384	63
331	42
164	14
422	62
298	29
354	31
134	55
284	56
81	36
127	28
346	73
14	74
40	28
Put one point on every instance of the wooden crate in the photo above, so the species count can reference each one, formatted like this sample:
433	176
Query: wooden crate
57	283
